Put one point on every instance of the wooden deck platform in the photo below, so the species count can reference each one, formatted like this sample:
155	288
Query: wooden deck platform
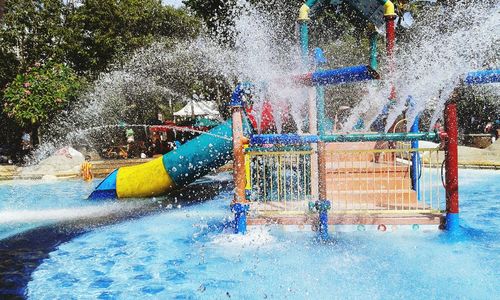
349	219
297	213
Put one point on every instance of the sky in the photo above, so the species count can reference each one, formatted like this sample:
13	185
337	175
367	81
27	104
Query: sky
175	3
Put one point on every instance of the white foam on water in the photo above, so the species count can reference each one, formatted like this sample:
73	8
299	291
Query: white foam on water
255	237
12	216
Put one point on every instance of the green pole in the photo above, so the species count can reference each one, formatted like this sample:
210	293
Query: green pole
320	108
373	50
304	41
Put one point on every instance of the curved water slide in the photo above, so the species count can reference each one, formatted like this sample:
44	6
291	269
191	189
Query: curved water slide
177	168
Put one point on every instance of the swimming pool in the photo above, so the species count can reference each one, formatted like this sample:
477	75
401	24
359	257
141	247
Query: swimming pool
184	253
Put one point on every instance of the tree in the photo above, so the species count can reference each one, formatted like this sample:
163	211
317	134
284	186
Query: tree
36	96
33	30
477	106
2	7
87	37
101	31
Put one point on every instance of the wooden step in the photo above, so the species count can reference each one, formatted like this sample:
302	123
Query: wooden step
367	183
352	166
392	198
103	170
7	172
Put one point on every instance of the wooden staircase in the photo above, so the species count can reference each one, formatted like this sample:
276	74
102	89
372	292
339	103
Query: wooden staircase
366	180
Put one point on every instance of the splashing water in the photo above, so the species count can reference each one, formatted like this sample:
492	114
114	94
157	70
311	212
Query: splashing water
440	49
458	42
161	71
445	45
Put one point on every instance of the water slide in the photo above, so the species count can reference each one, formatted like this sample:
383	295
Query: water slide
177	168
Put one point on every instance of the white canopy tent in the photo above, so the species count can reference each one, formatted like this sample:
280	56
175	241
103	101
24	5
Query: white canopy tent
207	109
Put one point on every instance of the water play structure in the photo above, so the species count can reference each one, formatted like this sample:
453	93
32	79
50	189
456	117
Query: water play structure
369	180
170	236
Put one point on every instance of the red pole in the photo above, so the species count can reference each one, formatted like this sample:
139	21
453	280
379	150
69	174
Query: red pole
390	34
451	162
451	158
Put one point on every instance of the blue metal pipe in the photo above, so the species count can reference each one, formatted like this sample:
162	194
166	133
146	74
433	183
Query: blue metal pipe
323	206
415	160
304	30
482	77
239	91
295	139
344	75
452	222
311	3
283	139
240	217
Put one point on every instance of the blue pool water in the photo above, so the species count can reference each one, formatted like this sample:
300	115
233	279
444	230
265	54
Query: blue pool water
185	253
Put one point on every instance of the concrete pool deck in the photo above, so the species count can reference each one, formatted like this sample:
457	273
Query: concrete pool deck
474	158
100	169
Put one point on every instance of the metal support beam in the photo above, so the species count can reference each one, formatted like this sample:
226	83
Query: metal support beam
482	77
295	139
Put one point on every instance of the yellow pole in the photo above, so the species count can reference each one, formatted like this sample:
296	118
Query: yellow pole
248	185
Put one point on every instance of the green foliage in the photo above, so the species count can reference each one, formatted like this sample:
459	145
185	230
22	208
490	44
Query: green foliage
476	107
33	30
87	37
216	15
101	31
37	95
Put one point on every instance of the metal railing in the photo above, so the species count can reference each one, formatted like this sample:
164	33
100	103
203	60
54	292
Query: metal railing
379	180
280	180
367	181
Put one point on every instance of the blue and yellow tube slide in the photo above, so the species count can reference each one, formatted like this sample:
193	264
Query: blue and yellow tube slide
175	169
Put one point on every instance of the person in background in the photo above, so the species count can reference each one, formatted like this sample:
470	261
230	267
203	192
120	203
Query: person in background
491	128
86	169
129	133
26	141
